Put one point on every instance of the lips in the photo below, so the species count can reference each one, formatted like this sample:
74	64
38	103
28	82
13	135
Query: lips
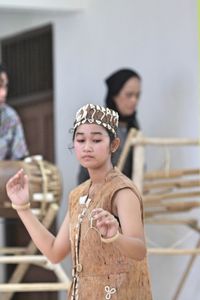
87	157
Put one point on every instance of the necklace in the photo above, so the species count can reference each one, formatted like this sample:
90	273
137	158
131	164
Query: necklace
93	188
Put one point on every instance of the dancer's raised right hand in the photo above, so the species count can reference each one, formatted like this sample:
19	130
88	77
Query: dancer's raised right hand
18	189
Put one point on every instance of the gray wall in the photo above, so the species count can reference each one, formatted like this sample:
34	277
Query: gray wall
157	38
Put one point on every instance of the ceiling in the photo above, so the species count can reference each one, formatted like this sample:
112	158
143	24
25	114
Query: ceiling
45	5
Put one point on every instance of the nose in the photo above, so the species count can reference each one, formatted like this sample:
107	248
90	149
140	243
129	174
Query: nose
134	100
87	146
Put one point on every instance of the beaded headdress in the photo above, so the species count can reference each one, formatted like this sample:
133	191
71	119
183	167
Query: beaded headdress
96	114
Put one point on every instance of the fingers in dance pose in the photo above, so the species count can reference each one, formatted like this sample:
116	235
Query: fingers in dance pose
106	223
17	188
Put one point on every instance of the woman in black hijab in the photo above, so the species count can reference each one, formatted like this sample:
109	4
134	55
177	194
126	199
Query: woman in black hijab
123	93
124	89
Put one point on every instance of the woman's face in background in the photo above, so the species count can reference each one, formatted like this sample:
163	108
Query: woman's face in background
3	88
127	99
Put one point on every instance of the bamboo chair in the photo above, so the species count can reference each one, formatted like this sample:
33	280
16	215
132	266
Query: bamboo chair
45	195
166	193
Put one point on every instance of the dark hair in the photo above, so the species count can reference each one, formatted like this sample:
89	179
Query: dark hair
3	69
111	135
115	83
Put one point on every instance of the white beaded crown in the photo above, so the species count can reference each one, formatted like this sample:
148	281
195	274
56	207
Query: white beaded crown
96	114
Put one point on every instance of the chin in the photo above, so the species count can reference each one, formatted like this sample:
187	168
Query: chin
89	165
128	113
85	165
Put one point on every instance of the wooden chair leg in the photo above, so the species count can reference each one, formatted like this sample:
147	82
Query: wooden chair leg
21	269
185	274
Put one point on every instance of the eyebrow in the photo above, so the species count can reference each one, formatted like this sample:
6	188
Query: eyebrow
93	133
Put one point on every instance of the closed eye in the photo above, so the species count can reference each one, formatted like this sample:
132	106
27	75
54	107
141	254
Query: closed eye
96	141
80	140
136	95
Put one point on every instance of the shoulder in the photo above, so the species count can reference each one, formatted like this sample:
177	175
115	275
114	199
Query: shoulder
11	116
119	180
124	188
121	183
11	111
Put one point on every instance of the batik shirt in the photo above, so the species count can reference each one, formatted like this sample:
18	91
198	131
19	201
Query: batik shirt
12	140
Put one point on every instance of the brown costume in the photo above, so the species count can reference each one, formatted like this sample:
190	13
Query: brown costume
101	271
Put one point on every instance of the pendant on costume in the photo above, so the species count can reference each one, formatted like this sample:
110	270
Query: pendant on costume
109	292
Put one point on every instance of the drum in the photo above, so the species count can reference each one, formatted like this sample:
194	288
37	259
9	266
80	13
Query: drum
45	183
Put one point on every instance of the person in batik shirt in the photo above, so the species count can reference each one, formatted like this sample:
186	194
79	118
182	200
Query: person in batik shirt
12	141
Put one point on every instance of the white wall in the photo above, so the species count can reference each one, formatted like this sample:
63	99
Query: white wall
157	38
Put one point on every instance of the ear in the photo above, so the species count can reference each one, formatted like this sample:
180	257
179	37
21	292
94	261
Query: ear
115	145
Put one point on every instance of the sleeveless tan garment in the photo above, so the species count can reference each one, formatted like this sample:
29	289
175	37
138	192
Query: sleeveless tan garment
101	271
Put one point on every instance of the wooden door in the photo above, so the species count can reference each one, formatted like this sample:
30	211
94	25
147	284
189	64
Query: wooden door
37	119
28	58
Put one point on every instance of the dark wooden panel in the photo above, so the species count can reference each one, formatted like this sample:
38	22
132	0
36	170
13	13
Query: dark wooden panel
28	58
37	119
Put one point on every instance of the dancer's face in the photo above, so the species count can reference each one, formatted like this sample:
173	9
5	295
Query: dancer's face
3	88
92	146
127	99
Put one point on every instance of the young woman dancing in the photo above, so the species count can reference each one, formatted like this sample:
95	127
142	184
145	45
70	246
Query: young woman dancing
103	227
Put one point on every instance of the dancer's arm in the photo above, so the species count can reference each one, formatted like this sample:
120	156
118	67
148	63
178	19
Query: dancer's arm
55	248
126	207
132	241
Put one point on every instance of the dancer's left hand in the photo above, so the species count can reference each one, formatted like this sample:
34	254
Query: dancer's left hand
106	223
